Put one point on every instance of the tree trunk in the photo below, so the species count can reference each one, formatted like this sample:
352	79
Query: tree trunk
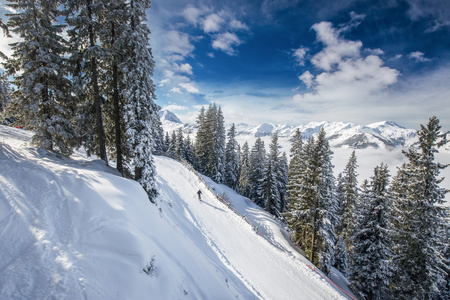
116	104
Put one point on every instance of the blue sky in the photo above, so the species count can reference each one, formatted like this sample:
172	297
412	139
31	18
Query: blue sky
296	61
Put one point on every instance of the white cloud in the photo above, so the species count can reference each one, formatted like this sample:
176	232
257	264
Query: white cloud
346	77
299	55
186	68
175	107
238	25
178	43
336	49
307	79
418	56
190	88
225	42
212	23
176	90
193	14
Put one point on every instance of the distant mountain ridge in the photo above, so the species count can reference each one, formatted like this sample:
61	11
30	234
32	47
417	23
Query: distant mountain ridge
385	134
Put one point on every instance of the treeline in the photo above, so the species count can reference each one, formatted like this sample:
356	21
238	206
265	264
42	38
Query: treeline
82	73
253	173
390	238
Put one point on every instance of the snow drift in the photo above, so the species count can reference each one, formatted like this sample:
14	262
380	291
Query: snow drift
74	229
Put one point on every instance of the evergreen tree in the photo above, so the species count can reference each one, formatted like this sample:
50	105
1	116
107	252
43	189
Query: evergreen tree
189	151
244	175
341	257
86	61
422	270
348	188
294	208
232	160
42	100
141	113
201	142
270	191
179	144
218	163
372	265
257	163
313	211
173	144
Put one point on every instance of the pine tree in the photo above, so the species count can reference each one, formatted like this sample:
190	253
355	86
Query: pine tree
270	191
86	58
244	175
189	151
219	148
179	144
341	257
422	269
232	160
372	266
257	163
42	101
347	200
141	113
201	142
313	211
294	209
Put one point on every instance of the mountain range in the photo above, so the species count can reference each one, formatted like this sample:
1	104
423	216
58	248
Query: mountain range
385	134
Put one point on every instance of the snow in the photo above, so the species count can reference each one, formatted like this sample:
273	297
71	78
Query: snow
74	229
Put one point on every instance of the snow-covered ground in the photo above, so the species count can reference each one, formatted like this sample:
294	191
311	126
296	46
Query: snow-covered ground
74	229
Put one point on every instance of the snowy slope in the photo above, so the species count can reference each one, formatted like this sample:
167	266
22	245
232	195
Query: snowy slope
74	229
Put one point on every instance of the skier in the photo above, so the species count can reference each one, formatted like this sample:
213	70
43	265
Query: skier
199	193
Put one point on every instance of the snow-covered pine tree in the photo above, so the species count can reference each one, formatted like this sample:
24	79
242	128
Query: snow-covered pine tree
294	207
341	262
269	189
283	179
422	270
4	85
327	203
42	100
86	62
201	142
173	144
189	151
179	144
166	142
347	200
257	163
316	205
219	148
244	175
372	268
140	112
4	91
232	159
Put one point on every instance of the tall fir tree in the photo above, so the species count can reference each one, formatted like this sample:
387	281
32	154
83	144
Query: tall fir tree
256	174
422	270
348	188
86	64
244	174
270	188
232	159
372	268
42	100
294	214
140	112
